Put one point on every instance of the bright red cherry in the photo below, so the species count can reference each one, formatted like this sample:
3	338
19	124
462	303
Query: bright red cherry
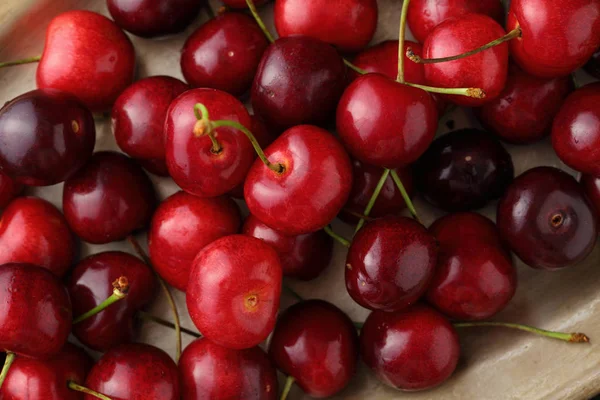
9	189
383	59
593	65
233	292
591	187
315	343
88	56
242	3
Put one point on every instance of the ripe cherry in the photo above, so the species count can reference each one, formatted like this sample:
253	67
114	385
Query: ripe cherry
9	189
468	226
383	59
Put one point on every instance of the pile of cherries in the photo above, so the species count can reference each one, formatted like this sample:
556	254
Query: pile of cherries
384	103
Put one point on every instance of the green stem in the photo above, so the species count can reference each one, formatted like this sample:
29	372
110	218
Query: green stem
401	39
567	337
373	198
121	287
343	241
259	20
292	292
289	382
10	358
147	317
209	10
78	388
20	62
203	127
358	325
355	68
405	196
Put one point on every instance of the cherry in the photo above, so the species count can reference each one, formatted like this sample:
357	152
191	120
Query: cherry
591	187
390	263
210	371
88	56
91	282
138	119
181	226
46	137
414	349
316	344
464	170
233	291
152	18
108	199
135	372
302	257
348	25
383	59
546	220
33	231
9	189
593	65
242	3
224	53
292	201
576	130
524	111
455	228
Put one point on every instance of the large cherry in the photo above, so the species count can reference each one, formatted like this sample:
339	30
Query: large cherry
46	136
467	226
88	56
210	371
9	189
593	65
233	291
293	201
591	187
315	343
181	226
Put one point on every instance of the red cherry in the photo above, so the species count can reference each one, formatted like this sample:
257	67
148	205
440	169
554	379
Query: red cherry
224	53
242	3
9	189
593	65
108	199
293	201
591	187
383	59
576	130
233	292
181	226
315	343
455	228
348	25
302	257
88	56
209	371
415	349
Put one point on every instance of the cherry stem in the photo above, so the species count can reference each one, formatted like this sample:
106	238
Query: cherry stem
373	199
209	10
358	215
576	84
292	292
401	39
203	127
78	388
20	62
355	68
289	382
567	337
405	196
148	317
358	325
259	20
10	358
120	289
343	241
509	36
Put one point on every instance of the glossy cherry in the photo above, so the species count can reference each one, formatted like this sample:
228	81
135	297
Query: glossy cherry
108	199
46	136
383	59
410	350
233	291
593	65
546	219
242	3
210	371
455	228
315	343
591	187
293	201
9	189
88	56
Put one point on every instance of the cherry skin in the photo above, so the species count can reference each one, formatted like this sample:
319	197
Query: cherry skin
36	311
349	25
233	291
390	264
593	65
108	199
591	187
399	126
242	3
292	201
91	283
412	363
33	231
46	136
315	343
299	81
524	111
88	56
302	257
9	189
576	130
557	37
464	170
224	53
152	18
181	226
455	228
383	59
546	219
192	161
210	371
135	372
138	118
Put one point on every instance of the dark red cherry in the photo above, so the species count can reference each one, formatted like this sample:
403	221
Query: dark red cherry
91	283
210	371
546	219
593	65
242	3
46	136
576	130
414	349
591	187
383	59
455	228
390	264
464	170
9	189
302	257
524	111
108	199
315	343
154	166
224	53
299	81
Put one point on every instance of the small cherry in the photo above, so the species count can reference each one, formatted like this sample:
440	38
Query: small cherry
233	291
591	187
210	371
593	65
383	59
242	3
9	189
108	199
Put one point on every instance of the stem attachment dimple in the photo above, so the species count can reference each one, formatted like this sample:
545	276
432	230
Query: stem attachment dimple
289	382
566	337
203	127
20	62
259	20
120	289
10	358
401	40
78	388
